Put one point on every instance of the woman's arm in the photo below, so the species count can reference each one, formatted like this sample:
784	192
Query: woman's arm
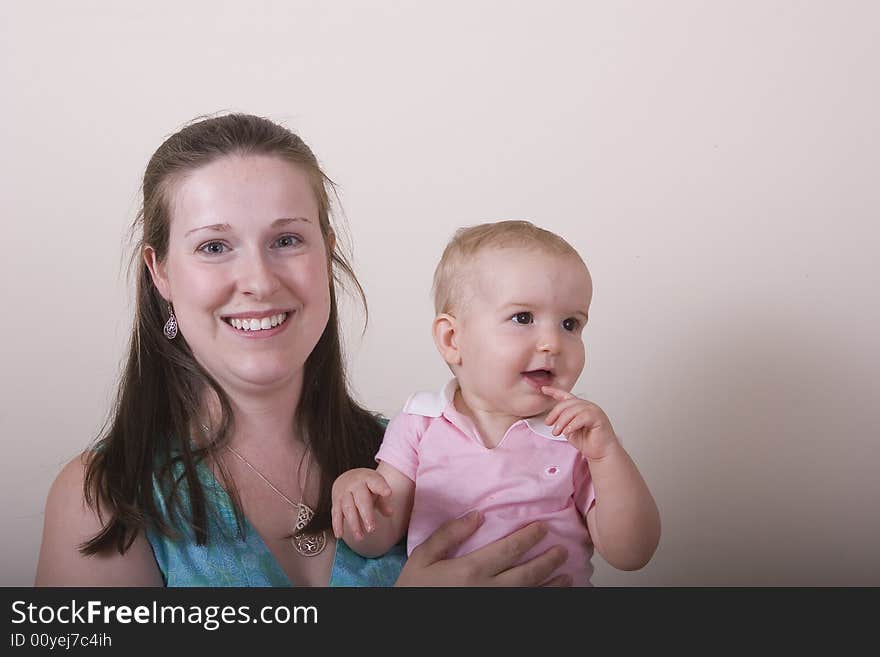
70	522
491	565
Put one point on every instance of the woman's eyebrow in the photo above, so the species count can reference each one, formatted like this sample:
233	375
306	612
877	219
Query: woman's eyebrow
283	221
218	227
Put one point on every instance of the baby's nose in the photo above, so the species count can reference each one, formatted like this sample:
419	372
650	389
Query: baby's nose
548	344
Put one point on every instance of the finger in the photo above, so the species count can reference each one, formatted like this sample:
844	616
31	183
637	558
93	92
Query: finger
383	506
561	407
363	499
583	420
559	580
504	553
557	393
336	520
351	516
450	535
567	415
535	571
378	485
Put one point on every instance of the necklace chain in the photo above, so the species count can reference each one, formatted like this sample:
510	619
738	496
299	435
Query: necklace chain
307	544
271	485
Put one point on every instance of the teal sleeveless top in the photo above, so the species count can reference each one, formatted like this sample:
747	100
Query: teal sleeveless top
227	559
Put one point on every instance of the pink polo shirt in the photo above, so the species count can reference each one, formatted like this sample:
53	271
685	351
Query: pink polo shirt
531	475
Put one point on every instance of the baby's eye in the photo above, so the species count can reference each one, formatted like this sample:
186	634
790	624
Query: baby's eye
213	248
570	324
287	241
523	318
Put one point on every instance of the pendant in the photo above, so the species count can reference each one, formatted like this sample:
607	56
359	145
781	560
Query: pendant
307	544
170	328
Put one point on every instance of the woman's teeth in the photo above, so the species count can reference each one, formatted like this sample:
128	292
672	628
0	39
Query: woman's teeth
258	324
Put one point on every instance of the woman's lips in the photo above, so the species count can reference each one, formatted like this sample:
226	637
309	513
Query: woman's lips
253	328
256	323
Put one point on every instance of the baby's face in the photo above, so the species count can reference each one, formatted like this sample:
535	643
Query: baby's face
521	328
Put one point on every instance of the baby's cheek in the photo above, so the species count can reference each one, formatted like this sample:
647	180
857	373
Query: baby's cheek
580	361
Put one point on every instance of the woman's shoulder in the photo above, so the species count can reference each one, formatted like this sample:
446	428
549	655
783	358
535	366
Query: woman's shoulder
70	521
67	488
67	493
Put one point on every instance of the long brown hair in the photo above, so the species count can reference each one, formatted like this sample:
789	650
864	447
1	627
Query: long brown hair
162	386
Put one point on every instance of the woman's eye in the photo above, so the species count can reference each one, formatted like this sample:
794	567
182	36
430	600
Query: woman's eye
523	318
570	324
287	241
213	248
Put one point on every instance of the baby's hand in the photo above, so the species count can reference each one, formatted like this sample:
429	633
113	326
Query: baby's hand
354	495
584	424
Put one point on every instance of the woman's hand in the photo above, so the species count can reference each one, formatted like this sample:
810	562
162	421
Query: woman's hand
492	565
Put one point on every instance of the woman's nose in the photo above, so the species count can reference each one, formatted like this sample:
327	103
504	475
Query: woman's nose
257	278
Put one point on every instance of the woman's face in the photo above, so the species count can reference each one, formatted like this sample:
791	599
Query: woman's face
246	270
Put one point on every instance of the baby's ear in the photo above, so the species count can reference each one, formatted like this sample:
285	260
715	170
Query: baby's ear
446	339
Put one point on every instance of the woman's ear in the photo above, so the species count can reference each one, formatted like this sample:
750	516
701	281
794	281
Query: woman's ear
157	272
330	242
446	338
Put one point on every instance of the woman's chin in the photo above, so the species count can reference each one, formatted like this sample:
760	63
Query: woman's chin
259	378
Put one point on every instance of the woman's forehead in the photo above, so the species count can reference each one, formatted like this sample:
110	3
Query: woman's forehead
240	190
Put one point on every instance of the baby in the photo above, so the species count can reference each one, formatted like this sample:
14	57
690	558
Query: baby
505	437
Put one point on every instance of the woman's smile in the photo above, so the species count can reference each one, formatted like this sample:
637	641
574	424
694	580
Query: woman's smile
258	325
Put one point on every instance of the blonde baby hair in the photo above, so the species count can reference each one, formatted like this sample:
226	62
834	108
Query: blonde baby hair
469	241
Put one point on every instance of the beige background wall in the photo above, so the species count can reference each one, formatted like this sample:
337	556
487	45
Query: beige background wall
716	163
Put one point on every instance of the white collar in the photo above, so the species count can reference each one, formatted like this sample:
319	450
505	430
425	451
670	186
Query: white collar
432	404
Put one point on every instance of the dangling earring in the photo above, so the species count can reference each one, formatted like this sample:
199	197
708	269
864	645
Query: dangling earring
171	325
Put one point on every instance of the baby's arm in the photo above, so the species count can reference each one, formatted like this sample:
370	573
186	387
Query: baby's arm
624	522
358	494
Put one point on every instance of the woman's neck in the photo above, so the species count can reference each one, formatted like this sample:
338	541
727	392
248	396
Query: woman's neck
272	425
266	416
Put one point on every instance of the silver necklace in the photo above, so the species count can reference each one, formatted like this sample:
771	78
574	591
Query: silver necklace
305	543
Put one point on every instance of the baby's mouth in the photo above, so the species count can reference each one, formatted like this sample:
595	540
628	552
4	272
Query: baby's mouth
539	378
256	323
